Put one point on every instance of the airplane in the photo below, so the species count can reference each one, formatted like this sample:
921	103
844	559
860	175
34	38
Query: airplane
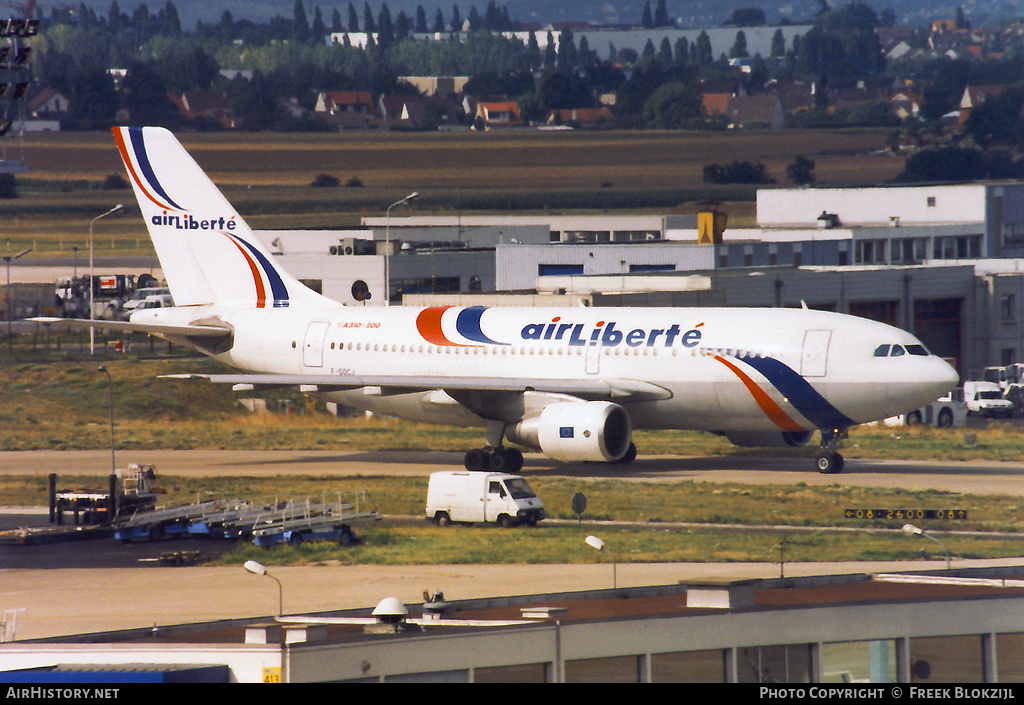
572	383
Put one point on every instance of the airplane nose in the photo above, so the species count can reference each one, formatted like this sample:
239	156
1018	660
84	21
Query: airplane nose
940	377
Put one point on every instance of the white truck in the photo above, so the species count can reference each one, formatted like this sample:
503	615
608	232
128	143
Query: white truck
487	497
986	398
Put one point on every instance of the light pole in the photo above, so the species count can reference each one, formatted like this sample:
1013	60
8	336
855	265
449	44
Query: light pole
8	303
258	569
387	246
597	543
914	531
110	394
92	331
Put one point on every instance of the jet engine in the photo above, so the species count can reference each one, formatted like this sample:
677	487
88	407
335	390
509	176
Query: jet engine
583	430
768	439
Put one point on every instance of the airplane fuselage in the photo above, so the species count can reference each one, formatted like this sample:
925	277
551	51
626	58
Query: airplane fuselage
757	370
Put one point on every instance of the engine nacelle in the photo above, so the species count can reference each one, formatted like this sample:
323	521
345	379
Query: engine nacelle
585	430
768	439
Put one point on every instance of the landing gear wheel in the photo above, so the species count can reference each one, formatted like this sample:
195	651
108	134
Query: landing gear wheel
513	460
475	459
629	456
829	463
497	461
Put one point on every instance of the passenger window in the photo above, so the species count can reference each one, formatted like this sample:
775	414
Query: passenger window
496	488
882	351
897	350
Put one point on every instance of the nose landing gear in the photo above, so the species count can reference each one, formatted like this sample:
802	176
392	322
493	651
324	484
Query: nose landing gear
828	461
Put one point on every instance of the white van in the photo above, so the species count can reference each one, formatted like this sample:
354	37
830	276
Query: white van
464	496
986	398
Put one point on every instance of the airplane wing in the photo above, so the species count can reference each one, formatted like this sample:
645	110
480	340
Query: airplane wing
194	330
617	389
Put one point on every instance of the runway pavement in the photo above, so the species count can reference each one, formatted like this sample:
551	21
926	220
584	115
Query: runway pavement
60	599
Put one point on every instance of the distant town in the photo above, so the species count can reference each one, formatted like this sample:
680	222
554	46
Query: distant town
949	86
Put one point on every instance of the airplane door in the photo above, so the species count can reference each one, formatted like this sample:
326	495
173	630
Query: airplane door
593	353
814	360
313	348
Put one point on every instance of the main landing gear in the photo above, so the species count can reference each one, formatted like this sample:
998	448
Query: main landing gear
828	461
494	456
494	459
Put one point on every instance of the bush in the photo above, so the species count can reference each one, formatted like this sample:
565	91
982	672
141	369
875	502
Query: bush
8	186
959	164
737	173
325	181
114	182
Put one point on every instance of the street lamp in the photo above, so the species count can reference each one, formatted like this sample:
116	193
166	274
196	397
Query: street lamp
912	530
258	569
92	331
598	544
110	393
387	246
8	303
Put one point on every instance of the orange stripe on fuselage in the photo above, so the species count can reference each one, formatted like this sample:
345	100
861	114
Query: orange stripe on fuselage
772	410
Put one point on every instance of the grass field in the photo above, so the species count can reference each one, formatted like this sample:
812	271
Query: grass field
267	176
63	405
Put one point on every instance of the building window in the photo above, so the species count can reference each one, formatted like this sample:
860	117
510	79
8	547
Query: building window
554	270
641	268
931	201
1007	307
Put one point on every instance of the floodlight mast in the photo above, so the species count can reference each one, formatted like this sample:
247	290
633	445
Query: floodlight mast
92	331
914	531
387	245
596	543
259	569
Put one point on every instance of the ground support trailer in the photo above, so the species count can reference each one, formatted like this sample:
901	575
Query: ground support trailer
298	522
156	524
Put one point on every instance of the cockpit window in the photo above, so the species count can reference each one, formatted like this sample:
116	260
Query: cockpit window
897	350
919	350
882	351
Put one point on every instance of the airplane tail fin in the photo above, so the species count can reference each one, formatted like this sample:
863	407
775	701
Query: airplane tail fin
209	255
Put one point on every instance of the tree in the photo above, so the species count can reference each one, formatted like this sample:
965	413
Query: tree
647	18
737	173
146	97
703	55
562	91
661	18
944	164
778	44
672	106
842	46
747	17
421	20
739	47
998	120
801	171
353	19
300	25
